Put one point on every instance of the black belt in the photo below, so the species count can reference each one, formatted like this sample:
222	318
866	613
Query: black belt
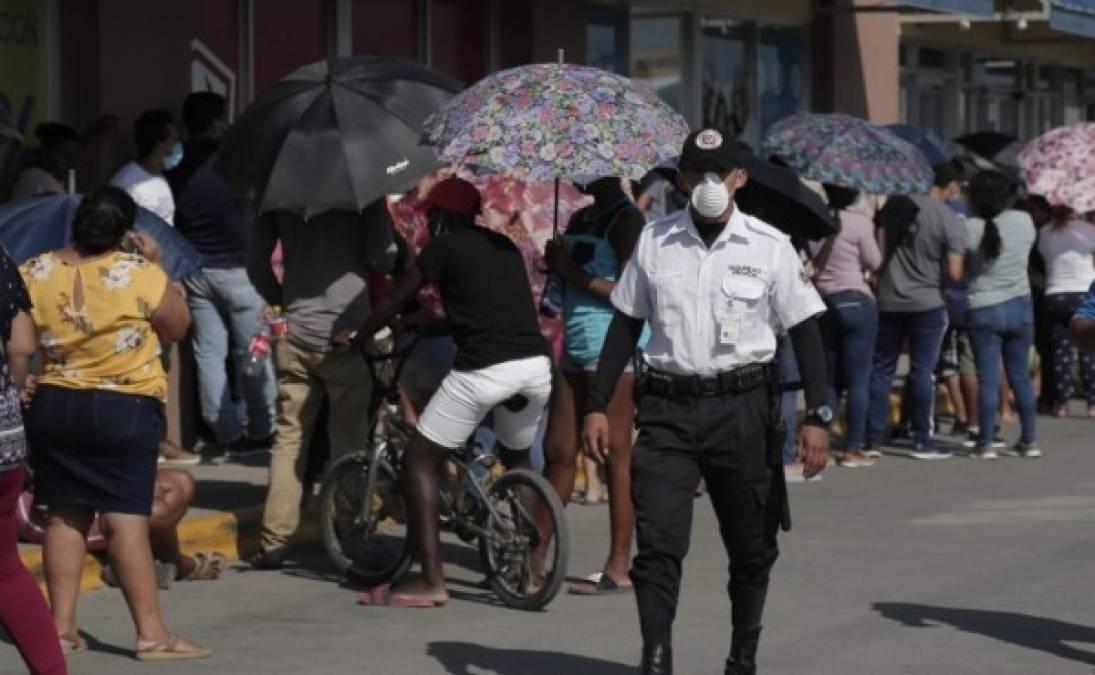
736	381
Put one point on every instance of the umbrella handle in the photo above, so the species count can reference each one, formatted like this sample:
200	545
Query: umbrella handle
555	223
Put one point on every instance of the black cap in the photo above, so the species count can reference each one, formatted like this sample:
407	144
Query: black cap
708	149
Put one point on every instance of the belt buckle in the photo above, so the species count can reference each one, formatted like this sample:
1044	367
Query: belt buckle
708	386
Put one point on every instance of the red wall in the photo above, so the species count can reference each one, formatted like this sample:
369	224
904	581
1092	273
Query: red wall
386	28
288	35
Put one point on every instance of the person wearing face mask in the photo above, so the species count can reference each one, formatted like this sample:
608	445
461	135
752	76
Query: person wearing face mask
158	150
715	285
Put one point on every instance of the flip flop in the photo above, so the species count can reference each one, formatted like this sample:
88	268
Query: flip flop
171	650
383	596
599	583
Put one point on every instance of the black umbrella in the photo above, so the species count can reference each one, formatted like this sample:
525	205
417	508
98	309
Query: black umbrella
335	135
986	144
776	195
7	124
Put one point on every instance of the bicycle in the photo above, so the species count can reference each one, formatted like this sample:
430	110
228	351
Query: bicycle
364	518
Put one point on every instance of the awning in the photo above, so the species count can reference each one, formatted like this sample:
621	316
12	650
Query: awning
1073	16
966	7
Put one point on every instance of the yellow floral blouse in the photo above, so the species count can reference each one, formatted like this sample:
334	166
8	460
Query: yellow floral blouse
106	341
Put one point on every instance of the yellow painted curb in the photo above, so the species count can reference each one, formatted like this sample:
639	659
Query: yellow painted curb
235	534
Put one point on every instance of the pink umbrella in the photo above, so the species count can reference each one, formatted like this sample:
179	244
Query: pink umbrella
1060	165
524	212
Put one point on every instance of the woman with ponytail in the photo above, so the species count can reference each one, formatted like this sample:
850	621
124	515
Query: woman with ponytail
1001	314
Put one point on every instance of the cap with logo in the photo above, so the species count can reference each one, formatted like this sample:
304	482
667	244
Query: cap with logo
707	149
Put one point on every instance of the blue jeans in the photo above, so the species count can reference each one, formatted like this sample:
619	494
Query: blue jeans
788	372
924	331
226	308
850	328
1007	330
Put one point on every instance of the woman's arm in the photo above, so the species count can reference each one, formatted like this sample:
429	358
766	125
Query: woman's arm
21	348
870	254
171	320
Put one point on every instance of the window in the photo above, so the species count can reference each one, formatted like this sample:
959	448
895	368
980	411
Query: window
727	94
606	39
783	74
656	56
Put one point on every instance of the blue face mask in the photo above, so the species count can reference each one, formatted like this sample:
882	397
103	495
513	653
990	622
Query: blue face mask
959	206
174	158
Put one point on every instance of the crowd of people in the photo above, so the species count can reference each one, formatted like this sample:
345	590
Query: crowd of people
982	285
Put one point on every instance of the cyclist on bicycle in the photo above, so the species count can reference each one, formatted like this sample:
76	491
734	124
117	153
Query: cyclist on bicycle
501	365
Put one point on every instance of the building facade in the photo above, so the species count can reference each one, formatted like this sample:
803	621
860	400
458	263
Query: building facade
1017	66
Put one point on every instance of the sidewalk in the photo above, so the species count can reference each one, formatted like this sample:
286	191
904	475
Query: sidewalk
224	517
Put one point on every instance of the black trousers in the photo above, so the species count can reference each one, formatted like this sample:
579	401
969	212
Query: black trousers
721	439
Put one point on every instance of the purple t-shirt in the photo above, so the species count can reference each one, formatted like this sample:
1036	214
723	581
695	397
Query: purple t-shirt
855	251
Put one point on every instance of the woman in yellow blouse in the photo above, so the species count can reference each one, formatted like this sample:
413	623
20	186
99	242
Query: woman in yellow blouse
101	314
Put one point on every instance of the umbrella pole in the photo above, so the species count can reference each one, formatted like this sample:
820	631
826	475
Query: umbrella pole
555	222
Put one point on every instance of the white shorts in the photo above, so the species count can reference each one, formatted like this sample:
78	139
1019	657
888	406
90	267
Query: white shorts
517	391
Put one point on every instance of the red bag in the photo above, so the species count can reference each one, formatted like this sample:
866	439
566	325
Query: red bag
31	523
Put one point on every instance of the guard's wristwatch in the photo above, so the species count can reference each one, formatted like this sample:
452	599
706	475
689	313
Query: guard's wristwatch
821	416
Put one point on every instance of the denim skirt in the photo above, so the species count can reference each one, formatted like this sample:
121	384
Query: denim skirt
94	449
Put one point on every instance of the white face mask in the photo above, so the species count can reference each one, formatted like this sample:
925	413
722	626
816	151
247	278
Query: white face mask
711	197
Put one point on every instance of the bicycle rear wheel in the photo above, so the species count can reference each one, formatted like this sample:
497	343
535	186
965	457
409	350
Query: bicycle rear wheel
368	544
519	578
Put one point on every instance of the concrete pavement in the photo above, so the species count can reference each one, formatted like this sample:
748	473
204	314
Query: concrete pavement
953	567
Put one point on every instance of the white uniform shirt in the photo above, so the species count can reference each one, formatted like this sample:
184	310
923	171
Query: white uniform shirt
148	190
712	310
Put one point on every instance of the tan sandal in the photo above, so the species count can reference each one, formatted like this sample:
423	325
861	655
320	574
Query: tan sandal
173	648
208	566
73	643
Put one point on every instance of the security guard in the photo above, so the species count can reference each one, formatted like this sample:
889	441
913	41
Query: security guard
714	285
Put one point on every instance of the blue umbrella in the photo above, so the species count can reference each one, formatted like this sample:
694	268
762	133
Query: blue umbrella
926	141
29	227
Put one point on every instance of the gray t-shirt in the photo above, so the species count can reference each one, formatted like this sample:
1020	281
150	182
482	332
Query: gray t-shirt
1006	277
326	261
913	279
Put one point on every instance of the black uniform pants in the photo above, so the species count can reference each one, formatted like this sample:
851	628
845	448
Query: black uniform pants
723	440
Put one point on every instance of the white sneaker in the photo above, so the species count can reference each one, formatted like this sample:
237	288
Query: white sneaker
983	453
1026	450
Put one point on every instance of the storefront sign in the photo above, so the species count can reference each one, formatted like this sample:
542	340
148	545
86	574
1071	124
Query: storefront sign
23	61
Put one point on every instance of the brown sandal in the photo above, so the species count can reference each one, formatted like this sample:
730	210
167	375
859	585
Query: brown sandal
208	566
173	648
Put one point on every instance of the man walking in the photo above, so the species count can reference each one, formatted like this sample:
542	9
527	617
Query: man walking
714	285
225	306
924	248
326	261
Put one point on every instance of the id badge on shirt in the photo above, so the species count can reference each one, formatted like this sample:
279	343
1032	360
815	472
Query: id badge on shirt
729	323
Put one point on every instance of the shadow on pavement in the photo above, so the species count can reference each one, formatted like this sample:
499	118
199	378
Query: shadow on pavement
459	657
1032	632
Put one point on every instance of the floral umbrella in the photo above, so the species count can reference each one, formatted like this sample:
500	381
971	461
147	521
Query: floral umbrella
547	120
847	151
1060	165
503	199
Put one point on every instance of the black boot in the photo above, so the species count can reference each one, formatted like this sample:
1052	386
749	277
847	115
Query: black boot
743	654
657	660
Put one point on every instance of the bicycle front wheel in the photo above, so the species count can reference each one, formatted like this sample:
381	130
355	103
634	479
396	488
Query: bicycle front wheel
526	545
368	543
